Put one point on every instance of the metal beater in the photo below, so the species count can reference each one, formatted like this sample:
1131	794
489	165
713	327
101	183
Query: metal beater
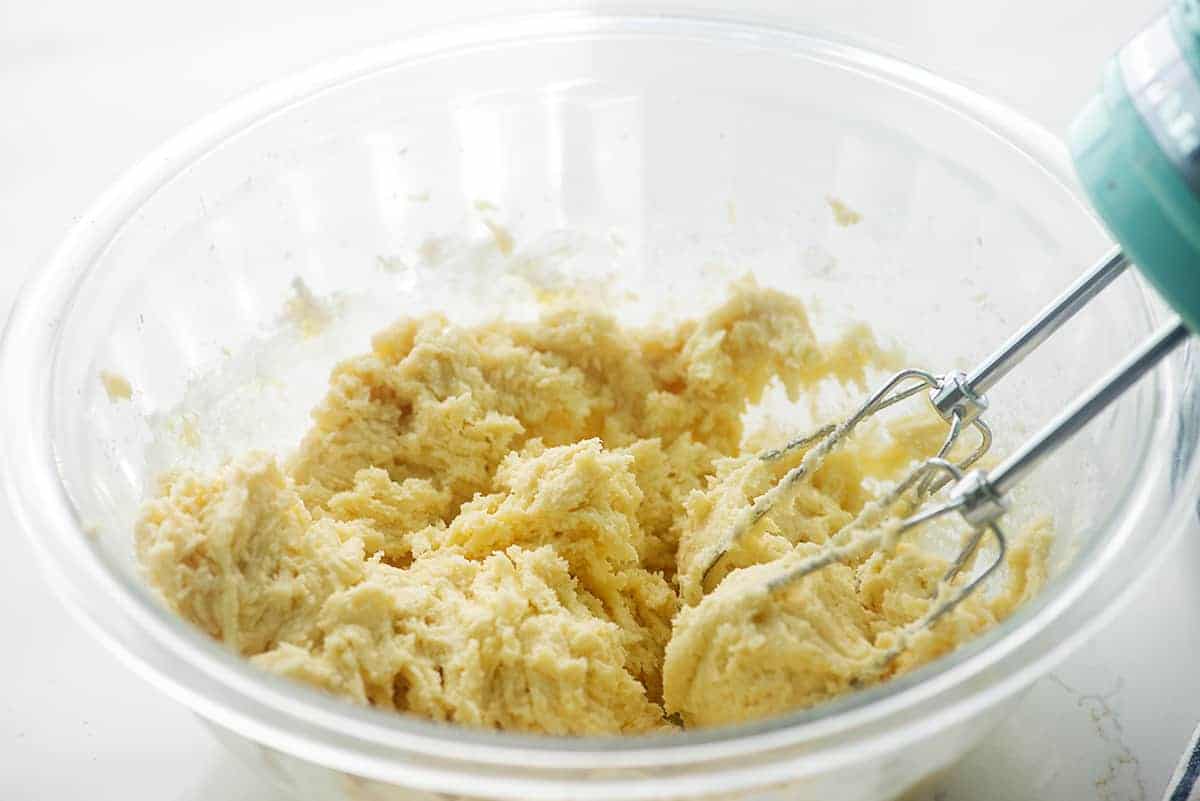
960	399
1136	149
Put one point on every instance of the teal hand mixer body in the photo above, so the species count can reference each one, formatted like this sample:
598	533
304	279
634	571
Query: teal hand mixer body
1136	148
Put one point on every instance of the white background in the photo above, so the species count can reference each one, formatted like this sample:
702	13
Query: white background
88	87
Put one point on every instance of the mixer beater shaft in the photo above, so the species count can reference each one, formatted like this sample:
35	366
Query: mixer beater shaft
958	397
977	496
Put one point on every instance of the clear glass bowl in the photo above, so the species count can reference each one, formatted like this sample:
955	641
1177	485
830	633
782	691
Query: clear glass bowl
674	153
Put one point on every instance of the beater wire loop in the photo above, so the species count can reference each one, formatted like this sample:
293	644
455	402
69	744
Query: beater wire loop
820	443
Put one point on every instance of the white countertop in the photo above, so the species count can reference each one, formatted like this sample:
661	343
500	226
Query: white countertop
85	88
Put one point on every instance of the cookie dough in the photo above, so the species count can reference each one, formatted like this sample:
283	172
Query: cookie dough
500	526
739	652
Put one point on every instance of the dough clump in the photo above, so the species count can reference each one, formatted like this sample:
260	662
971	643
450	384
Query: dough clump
503	526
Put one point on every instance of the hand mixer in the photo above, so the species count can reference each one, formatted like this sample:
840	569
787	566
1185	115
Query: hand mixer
1136	148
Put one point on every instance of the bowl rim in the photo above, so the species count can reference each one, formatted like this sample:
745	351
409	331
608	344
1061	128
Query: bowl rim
31	473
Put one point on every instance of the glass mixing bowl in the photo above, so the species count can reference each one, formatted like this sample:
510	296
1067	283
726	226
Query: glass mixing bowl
648	157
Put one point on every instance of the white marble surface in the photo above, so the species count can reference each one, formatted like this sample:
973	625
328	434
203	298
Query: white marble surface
85	88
